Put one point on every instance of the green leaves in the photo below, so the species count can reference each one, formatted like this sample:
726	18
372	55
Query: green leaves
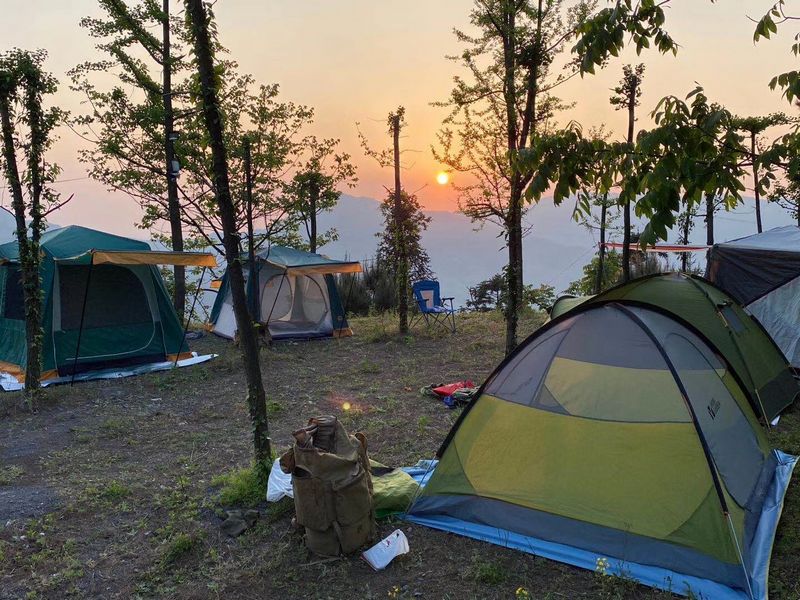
789	82
693	152
603	35
767	26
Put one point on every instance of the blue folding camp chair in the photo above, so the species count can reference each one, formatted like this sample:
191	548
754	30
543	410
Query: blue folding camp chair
432	306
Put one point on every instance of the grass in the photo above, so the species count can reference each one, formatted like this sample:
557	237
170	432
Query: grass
109	492
486	571
116	426
244	487
179	546
10	473
143	467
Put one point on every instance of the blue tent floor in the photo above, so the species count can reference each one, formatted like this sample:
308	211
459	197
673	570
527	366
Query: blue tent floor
648	575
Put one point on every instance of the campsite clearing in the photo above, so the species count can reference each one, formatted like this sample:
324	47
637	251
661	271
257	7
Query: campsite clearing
106	491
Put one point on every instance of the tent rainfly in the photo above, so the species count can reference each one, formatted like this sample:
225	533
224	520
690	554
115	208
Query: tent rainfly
105	305
762	272
617	435
294	292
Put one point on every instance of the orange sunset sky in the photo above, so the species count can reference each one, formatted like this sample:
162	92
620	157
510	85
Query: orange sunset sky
355	60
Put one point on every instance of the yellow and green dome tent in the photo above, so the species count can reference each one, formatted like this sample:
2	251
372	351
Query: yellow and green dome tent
617	437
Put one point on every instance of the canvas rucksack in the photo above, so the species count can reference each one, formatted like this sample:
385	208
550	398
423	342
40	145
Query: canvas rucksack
332	487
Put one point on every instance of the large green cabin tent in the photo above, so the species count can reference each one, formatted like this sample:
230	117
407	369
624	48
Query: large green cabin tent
616	437
101	288
294	292
755	359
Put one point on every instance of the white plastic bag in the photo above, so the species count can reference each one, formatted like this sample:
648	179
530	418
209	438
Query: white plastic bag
279	483
390	547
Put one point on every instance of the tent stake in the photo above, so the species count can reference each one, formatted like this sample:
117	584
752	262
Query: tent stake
189	318
83	316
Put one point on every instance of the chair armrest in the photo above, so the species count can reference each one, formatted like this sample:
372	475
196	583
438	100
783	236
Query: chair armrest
451	299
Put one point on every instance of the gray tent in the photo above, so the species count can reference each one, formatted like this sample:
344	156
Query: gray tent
762	272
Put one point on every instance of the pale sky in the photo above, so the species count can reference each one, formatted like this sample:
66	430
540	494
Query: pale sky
355	60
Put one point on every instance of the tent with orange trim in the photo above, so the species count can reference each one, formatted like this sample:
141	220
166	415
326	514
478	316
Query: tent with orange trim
293	292
105	305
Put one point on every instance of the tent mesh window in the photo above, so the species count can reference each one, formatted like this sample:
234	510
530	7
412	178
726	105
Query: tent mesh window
11	297
276	298
116	297
309	303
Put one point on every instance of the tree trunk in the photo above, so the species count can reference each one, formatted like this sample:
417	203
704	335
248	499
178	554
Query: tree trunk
626	220
601	257
399	227
514	220
709	219
174	208
709	224
686	223
513	277
756	190
313	198
256	397
31	264
28	254
252	283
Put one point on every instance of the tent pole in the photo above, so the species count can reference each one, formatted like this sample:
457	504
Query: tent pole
735	345
346	302
277	294
83	316
741	556
685	395
189	318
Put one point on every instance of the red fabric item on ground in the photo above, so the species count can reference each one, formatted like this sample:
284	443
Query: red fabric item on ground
447	390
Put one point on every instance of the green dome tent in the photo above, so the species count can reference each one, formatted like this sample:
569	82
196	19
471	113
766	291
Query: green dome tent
104	300
615	435
755	360
294	292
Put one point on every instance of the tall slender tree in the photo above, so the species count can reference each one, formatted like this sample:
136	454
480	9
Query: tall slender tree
626	97
413	222
139	59
398	228
754	128
499	108
26	128
317	185
200	22
171	165
396	122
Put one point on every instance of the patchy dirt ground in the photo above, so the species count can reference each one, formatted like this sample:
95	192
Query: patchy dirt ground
106	490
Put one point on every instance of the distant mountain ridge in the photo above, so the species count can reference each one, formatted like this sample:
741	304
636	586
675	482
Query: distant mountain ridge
555	250
463	254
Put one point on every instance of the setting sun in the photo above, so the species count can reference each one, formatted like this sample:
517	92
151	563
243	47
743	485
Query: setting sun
442	178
